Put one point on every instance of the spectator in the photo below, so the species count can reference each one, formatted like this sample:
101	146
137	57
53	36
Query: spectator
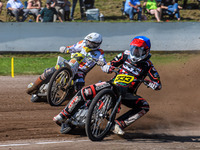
1	6
59	6
67	10
34	7
73	9
132	7
47	13
172	7
151	7
17	9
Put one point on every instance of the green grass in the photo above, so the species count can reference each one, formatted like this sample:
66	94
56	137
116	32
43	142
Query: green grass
112	11
33	64
165	59
27	64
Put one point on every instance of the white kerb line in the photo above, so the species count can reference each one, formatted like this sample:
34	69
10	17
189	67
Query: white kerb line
39	143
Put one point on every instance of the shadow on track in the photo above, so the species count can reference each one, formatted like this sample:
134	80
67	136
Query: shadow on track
160	137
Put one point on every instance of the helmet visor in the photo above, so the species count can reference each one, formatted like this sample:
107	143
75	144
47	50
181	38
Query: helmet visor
136	51
90	44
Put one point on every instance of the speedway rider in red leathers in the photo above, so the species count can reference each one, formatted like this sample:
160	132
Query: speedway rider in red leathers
132	62
90	46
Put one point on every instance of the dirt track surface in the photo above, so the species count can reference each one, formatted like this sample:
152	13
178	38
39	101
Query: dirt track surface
171	123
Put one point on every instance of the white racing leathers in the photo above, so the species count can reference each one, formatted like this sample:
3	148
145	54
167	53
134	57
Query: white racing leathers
86	65
79	67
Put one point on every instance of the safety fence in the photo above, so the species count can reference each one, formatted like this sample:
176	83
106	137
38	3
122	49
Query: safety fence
48	37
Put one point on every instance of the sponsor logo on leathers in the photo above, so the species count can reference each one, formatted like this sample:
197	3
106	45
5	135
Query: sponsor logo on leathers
73	103
133	69
98	88
88	92
134	117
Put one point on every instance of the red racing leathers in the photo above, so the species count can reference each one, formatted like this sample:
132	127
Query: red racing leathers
138	104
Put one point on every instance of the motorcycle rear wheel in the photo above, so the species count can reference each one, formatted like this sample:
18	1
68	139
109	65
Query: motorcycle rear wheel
99	120
59	88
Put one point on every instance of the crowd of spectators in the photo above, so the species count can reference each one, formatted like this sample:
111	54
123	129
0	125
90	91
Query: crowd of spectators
52	11
60	10
169	7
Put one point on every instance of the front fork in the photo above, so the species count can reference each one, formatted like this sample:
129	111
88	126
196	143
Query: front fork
114	111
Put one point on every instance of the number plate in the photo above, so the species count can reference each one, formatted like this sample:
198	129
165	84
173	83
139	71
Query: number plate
122	78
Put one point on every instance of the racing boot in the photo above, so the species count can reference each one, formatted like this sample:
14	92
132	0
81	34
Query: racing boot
128	118
117	129
35	87
60	118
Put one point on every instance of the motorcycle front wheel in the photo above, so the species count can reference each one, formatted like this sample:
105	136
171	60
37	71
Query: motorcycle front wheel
59	86
99	119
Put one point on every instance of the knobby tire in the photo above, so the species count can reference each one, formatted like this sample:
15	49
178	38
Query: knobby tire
50	97
95	106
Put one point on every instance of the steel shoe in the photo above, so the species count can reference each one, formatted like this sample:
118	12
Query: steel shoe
65	128
34	98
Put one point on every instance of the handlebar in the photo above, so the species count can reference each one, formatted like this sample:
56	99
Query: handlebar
101	63
145	81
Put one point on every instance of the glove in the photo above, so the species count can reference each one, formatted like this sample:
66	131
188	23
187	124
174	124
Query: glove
108	68
64	49
87	49
153	85
100	63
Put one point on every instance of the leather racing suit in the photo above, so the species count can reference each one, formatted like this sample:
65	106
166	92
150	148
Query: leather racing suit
81	68
138	104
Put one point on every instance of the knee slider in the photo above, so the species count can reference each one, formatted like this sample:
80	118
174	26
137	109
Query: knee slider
143	104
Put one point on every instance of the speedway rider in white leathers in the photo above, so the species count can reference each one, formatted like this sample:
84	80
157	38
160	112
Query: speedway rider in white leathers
80	66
